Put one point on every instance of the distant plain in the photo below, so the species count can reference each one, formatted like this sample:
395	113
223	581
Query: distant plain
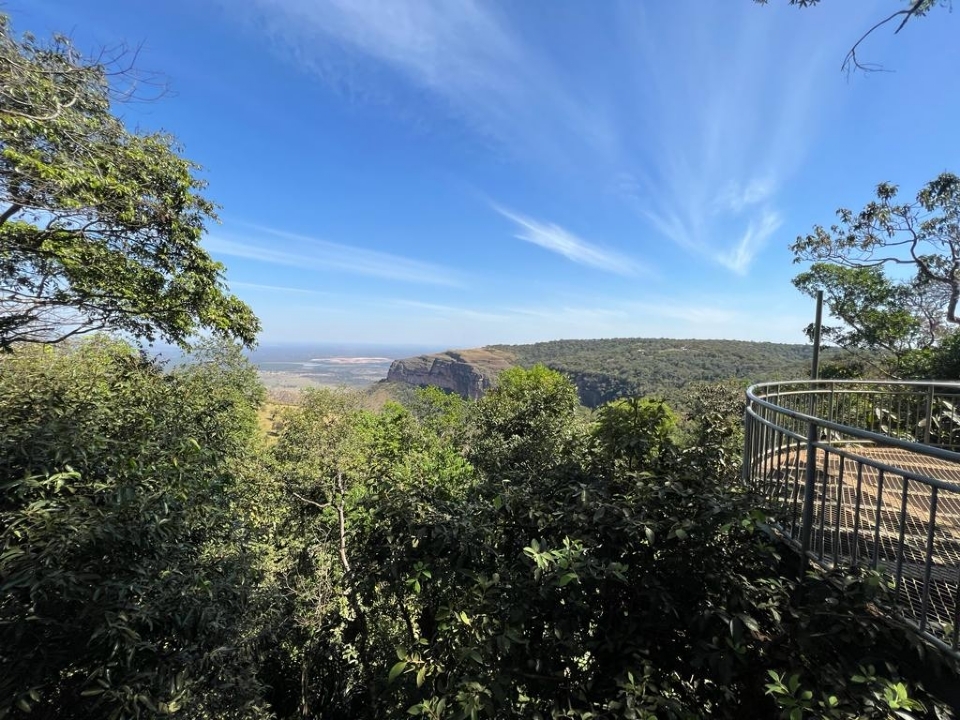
290	368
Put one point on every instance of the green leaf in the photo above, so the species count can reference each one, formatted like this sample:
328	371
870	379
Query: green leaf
749	622
396	670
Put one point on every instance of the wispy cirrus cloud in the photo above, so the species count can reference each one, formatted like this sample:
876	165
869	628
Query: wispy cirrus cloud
463	314
467	56
696	116
556	239
702	315
693	316
465	325
461	324
759	230
736	196
458	50
725	130
308	253
282	289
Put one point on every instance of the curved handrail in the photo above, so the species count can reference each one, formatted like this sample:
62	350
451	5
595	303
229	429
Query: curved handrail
875	437
846	495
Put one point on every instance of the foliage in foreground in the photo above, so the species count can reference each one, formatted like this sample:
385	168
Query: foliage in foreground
124	580
502	559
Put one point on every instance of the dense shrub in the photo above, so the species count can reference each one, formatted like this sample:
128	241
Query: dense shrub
503	559
123	578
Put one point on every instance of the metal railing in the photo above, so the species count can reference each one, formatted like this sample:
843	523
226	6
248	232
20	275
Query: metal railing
867	474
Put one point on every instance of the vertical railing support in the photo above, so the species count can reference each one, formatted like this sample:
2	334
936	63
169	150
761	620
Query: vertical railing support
746	472
810	477
926	430
809	495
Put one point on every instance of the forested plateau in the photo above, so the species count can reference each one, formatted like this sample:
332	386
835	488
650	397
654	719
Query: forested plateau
608	369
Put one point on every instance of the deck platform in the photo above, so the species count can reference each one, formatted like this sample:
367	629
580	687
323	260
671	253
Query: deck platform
873	508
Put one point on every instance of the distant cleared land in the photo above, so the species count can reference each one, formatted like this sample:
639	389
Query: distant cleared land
286	369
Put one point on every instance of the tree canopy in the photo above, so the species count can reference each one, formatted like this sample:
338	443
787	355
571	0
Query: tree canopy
100	227
611	368
890	272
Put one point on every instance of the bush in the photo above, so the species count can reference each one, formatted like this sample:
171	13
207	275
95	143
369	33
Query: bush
123	580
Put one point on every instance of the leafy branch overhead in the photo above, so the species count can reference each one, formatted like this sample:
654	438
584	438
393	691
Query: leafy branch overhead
100	227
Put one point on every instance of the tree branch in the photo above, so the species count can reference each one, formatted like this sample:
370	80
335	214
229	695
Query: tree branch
851	61
10	212
954	296
53	115
322	506
343	525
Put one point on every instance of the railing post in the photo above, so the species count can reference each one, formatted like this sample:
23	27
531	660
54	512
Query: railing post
809	493
810	475
926	430
746	472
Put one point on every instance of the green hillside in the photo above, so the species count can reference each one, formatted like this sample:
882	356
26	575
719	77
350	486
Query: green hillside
606	369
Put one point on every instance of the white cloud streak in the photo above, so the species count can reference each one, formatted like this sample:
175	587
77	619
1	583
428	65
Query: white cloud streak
661	317
314	254
448	325
468	315
456	49
276	288
563	242
734	104
465	53
623	313
759	230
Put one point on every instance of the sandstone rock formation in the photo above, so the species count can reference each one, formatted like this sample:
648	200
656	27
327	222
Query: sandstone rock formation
469	373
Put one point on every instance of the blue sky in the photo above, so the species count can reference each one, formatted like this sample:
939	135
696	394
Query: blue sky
458	173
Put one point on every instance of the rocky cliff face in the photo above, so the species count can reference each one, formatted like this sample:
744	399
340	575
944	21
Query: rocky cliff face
469	373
